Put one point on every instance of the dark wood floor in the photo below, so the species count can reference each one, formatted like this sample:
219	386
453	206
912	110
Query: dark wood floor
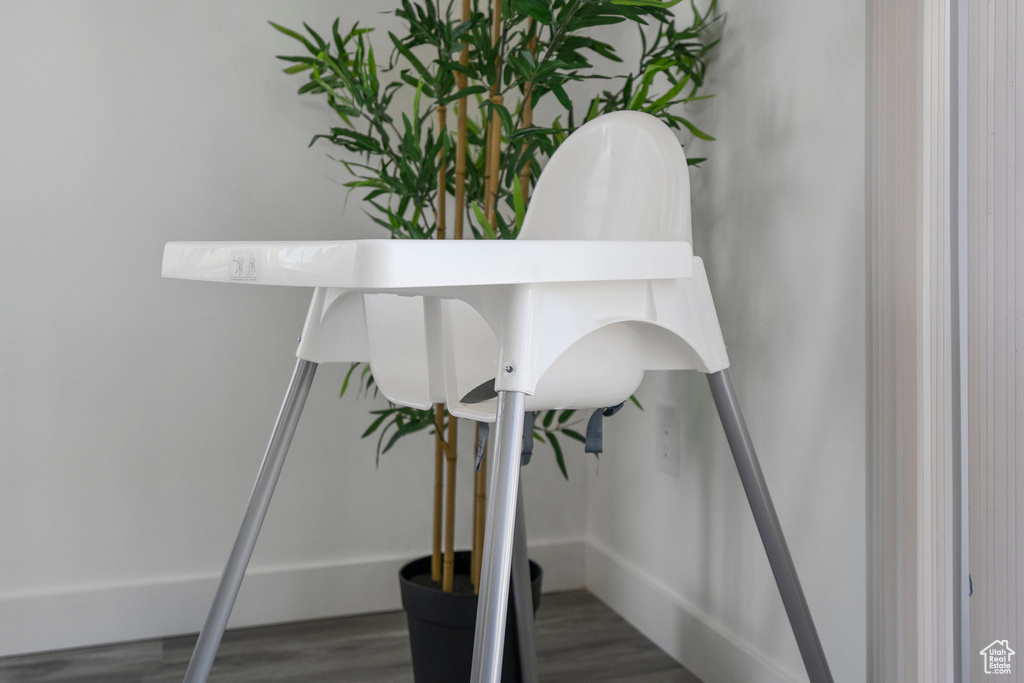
578	639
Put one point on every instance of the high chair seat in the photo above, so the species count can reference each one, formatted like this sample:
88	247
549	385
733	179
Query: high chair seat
625	306
601	286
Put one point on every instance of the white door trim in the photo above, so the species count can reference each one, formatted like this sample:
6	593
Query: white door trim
994	373
914	454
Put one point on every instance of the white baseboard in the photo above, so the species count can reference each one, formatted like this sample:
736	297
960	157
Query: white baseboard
688	635
98	615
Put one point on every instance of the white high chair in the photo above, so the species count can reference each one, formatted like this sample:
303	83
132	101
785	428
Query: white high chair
600	286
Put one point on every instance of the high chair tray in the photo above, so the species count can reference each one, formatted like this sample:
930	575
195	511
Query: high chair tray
384	264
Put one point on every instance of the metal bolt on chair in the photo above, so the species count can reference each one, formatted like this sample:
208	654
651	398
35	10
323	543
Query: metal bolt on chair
600	286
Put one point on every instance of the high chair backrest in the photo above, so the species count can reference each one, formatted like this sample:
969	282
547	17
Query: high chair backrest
622	176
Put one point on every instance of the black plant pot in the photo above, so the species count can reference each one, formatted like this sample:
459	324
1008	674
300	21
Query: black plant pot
441	625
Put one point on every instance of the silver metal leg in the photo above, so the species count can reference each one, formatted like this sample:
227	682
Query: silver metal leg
498	536
255	511
522	594
768	525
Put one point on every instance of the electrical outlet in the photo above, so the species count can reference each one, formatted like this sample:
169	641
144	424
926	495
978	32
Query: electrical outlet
667	443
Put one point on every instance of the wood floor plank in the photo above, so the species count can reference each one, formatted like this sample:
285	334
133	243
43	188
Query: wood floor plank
578	639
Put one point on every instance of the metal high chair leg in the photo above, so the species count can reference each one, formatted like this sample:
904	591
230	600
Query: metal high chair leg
769	528
255	511
522	595
498	536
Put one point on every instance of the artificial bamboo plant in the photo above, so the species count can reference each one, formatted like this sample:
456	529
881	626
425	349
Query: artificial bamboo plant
496	62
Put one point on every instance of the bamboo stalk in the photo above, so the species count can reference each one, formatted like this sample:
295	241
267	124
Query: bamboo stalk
493	163
495	38
449	525
492	156
527	121
442	174
474	552
435	558
479	519
460	214
493	152
461	143
439	445
448	579
487	173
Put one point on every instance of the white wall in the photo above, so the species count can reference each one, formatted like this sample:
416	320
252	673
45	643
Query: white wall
134	411
779	219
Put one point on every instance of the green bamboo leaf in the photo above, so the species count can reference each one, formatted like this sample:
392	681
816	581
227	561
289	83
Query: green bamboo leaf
559	458
416	63
298	68
405	430
380	440
566	416
573	434
373	426
506	119
344	385
537	9
665	99
587	22
695	130
293	58
645	85
482	220
648	3
504	230
465	92
519	203
338	40
416	102
319	41
345	111
342	73
369	182
297	36
560	93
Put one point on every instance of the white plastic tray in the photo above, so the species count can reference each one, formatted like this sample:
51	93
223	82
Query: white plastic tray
385	265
